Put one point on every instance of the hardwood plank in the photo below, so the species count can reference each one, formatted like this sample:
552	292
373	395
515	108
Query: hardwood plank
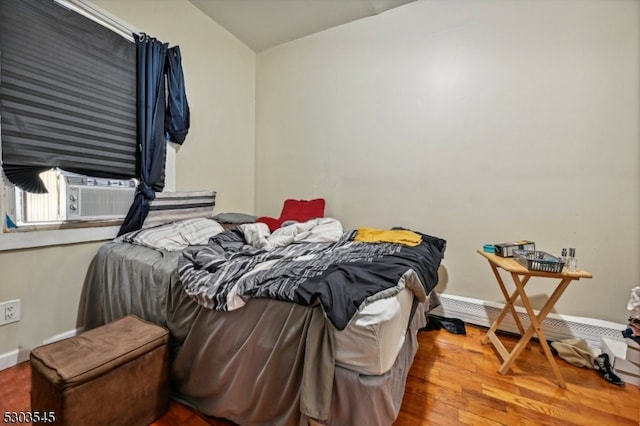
528	395
472	419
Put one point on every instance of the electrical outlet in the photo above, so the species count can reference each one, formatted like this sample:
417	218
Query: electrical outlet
9	311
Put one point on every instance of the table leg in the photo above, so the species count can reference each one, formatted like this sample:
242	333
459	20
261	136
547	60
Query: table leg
536	327
491	334
510	299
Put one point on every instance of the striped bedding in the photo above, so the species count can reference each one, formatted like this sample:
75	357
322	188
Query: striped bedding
340	275
171	206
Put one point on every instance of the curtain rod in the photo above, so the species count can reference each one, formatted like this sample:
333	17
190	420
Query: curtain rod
101	16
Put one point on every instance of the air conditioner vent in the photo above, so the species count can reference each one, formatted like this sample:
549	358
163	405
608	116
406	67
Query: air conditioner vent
97	199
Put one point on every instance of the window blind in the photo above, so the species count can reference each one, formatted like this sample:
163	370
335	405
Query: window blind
67	94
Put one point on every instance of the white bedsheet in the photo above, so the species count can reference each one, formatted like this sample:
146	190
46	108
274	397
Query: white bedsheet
371	342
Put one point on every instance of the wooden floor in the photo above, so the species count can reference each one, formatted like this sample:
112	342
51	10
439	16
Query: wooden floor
454	381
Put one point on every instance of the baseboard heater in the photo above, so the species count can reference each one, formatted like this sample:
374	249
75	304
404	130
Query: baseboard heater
555	327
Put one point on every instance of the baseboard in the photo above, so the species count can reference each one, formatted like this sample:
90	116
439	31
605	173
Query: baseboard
555	327
12	358
18	356
63	336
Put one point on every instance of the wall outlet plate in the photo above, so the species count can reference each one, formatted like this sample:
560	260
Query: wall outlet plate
10	312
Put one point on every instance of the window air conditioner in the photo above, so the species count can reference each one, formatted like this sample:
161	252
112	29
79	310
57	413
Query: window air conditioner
87	198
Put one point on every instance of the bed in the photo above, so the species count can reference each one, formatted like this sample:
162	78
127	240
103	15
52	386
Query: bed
260	357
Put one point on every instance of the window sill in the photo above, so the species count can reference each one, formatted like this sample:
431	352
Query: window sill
33	239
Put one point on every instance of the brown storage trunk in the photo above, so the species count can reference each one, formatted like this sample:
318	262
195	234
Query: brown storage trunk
116	374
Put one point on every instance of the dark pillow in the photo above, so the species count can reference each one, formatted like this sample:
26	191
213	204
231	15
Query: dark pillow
236	218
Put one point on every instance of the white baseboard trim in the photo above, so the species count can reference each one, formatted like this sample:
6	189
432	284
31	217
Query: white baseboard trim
12	358
63	336
555	327
18	356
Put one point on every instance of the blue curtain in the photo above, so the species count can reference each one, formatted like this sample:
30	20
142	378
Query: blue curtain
176	121
154	119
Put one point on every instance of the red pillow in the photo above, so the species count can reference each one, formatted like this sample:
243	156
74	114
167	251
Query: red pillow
302	210
298	210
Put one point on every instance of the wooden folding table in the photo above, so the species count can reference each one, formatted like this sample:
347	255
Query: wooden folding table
521	275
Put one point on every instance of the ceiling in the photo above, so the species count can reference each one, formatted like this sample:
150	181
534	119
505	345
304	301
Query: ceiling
261	24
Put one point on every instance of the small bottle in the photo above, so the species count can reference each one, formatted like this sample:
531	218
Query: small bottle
572	261
563	258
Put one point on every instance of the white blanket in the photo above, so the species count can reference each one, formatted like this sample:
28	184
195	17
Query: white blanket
324	230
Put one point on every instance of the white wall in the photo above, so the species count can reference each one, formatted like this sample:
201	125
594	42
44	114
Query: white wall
218	154
479	122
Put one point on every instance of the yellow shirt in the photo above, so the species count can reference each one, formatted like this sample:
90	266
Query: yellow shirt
399	236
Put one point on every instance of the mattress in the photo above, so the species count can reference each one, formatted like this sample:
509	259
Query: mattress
371	342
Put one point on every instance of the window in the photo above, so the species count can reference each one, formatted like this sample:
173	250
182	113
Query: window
67	102
71	198
39	208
